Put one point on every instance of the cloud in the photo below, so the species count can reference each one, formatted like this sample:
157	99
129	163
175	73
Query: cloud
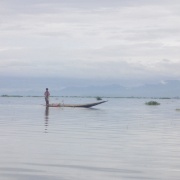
18	64
129	39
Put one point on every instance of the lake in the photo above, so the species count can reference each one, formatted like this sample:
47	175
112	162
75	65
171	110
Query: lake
122	139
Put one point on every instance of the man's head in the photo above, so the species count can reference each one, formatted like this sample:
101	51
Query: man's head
46	89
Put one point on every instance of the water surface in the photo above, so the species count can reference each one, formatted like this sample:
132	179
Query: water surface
121	139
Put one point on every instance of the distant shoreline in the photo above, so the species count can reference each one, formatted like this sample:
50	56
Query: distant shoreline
131	97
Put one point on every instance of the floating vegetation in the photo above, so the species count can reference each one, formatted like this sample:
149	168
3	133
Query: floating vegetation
152	103
10	96
4	95
164	98
98	98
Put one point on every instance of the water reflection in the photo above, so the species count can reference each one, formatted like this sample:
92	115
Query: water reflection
46	119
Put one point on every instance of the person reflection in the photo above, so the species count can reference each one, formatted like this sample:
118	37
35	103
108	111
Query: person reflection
46	118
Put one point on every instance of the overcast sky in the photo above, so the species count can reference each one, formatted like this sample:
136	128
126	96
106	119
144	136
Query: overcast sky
113	39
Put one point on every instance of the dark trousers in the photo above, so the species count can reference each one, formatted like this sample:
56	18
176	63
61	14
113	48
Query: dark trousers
47	101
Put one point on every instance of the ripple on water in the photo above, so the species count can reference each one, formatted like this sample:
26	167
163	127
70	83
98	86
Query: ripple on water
122	139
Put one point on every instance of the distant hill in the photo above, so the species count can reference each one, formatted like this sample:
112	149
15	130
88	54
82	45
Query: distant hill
168	89
37	88
109	90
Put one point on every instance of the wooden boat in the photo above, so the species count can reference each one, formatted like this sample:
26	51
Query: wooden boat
76	105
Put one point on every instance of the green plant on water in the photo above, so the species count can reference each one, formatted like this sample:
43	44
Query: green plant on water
4	95
152	103
98	98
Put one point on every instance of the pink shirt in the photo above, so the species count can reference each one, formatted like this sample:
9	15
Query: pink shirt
46	94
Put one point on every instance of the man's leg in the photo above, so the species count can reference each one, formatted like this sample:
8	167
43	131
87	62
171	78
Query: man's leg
47	103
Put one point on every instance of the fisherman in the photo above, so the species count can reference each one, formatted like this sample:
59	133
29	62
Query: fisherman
46	95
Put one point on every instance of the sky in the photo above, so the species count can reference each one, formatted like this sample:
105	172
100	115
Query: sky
115	40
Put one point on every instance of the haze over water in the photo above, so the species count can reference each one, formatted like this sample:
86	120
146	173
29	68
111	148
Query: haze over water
123	139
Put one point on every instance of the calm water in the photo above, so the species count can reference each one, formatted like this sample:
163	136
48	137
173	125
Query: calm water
123	139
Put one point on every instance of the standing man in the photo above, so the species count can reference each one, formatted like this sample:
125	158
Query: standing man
46	95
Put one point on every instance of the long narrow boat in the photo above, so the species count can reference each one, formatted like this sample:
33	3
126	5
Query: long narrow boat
76	105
